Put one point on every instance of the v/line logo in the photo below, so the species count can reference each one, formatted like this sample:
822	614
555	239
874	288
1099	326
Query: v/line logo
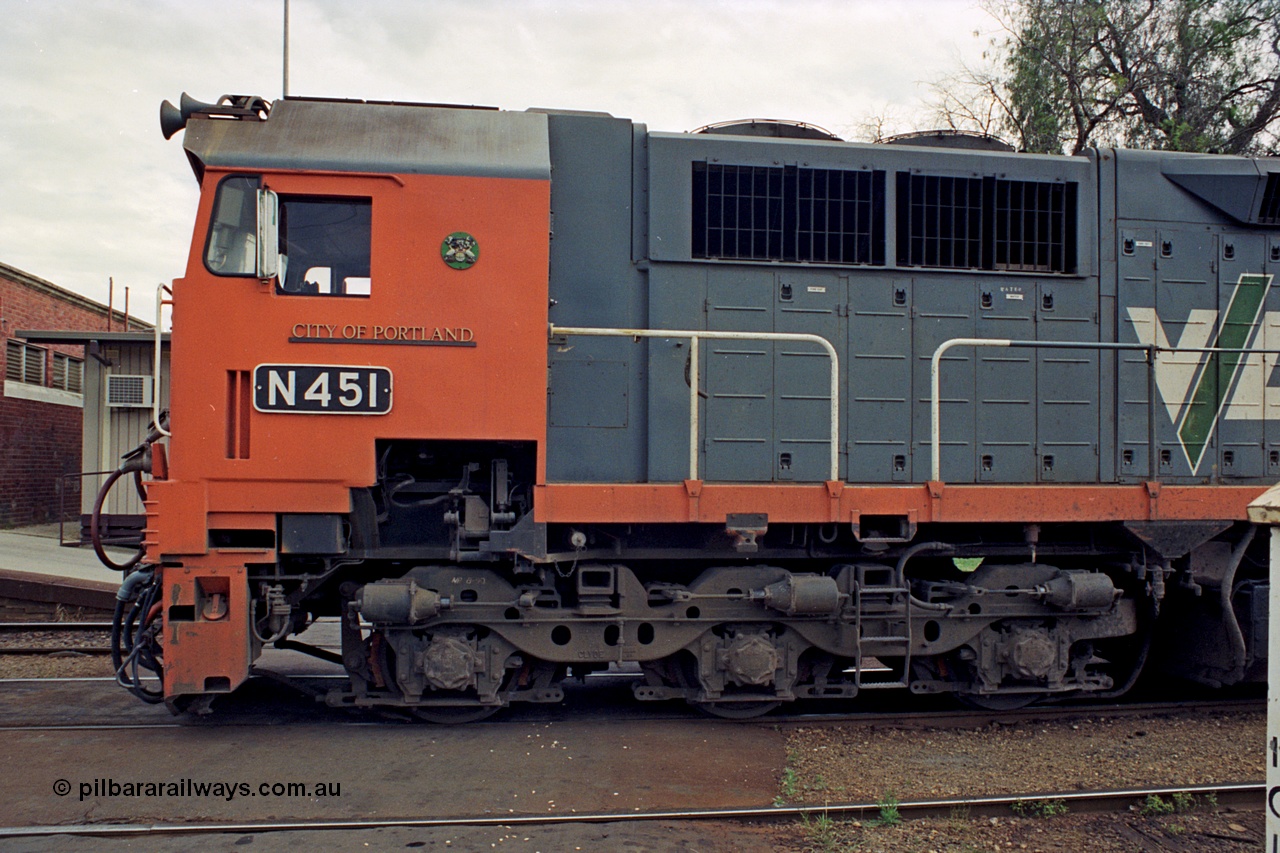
1198	388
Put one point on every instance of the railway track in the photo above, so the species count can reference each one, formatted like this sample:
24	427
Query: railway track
41	630
965	719
18	627
899	719
1245	795
55	650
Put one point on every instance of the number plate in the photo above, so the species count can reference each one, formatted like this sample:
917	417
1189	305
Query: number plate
322	389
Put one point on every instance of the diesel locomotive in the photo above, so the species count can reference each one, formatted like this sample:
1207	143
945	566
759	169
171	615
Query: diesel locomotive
757	413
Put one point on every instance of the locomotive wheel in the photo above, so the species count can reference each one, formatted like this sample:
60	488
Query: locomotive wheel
382	659
954	671
687	677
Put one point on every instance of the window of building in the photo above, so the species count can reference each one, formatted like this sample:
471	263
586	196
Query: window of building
68	373
23	363
325	246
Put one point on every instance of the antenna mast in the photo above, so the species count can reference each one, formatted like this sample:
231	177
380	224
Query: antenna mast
285	91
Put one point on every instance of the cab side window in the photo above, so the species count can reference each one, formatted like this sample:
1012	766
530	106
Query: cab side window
324	246
232	248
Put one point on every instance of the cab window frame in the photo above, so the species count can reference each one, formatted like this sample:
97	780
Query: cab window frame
339	270
249	209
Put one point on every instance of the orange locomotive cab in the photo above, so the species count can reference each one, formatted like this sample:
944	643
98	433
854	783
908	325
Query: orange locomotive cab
407	308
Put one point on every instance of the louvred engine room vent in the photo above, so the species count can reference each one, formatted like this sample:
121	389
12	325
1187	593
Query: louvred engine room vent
1269	213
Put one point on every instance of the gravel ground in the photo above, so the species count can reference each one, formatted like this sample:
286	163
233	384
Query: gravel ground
852	763
69	664
863	764
66	664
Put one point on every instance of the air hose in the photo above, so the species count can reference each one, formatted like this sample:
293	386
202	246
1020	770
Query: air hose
135	623
136	462
133	634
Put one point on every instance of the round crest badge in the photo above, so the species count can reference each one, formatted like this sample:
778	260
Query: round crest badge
460	250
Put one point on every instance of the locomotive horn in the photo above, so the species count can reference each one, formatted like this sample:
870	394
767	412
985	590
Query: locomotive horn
174	119
171	120
190	105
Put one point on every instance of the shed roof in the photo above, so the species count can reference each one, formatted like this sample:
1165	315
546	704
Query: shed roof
26	279
57	336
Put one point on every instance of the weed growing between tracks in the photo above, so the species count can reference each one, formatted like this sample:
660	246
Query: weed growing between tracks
787	784
820	830
1201	831
889	815
1179	802
1039	808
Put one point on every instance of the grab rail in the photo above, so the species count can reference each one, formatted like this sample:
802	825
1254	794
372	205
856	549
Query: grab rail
935	378
161	289
694	337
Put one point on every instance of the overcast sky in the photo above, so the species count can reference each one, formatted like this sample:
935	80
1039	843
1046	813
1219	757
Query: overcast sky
89	189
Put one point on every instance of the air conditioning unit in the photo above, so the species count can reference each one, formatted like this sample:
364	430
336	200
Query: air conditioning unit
128	392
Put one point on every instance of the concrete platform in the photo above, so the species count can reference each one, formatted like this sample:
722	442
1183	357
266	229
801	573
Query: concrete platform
37	575
35	568
36	551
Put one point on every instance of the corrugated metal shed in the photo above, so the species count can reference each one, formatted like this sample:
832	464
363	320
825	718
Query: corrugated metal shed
110	431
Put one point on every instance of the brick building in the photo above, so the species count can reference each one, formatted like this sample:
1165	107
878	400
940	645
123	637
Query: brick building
41	408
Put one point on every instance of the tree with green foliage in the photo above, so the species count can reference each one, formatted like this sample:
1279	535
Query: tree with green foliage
1184	75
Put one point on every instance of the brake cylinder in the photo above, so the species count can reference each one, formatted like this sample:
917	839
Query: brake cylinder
1080	591
397	603
804	595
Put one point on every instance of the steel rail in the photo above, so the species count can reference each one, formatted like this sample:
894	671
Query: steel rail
52	650
56	680
1038	713
1248	793
671	711
16	627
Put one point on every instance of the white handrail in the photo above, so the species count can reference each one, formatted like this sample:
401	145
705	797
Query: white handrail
935	369
155	379
694	337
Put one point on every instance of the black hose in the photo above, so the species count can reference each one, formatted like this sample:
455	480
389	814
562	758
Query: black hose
1139	662
117	635
133	643
95	530
137	462
1235	636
